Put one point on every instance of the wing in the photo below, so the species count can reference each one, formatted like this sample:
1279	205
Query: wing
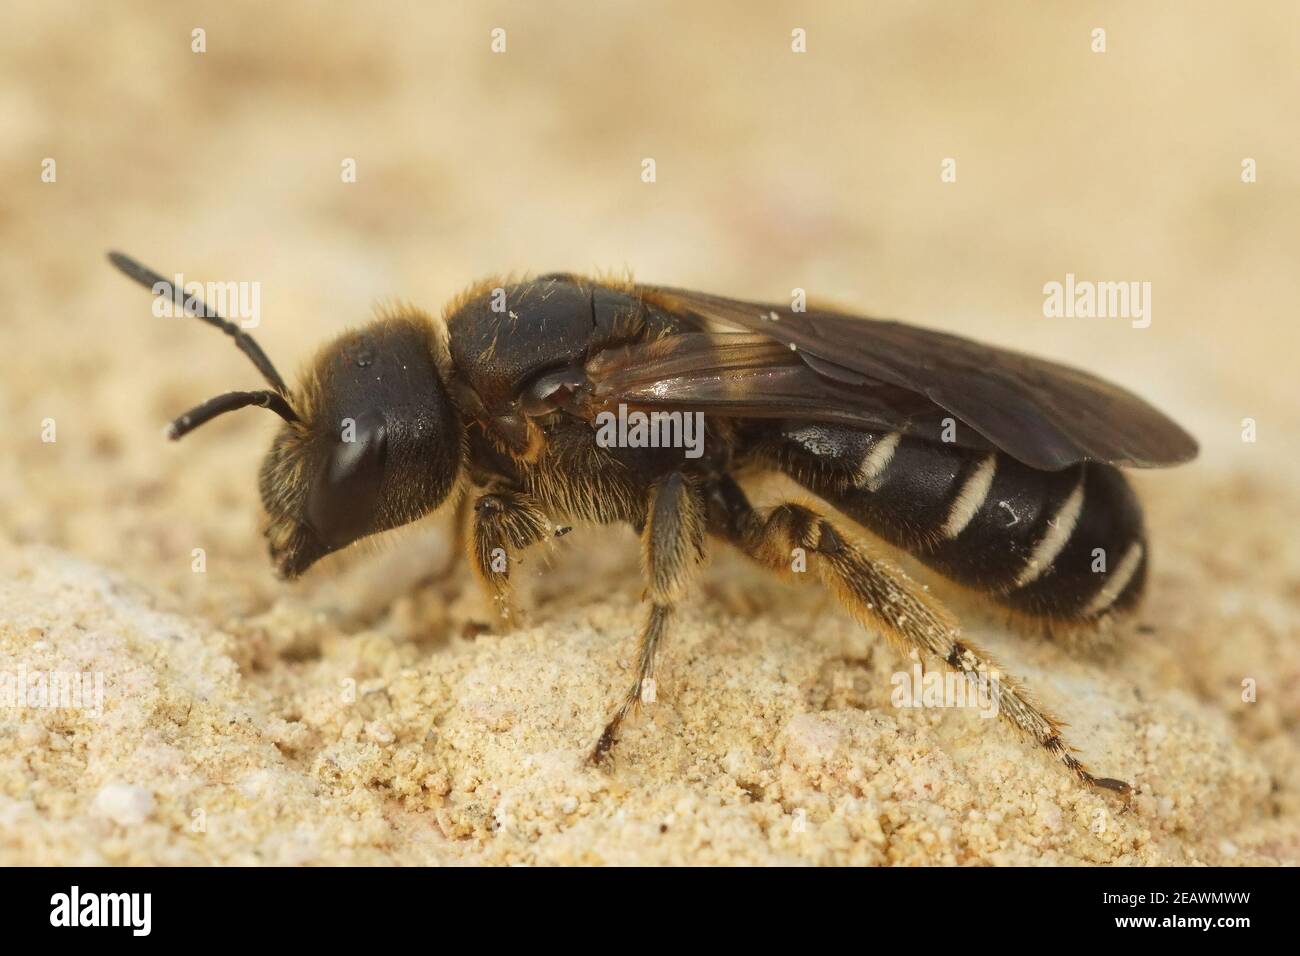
744	375
828	366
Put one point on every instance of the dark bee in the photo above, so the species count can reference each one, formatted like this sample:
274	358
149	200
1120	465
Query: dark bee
996	469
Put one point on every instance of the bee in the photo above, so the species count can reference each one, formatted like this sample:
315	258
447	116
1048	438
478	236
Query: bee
997	470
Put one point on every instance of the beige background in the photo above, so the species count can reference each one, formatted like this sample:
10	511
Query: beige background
775	170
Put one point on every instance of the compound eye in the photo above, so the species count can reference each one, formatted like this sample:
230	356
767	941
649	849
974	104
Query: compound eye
344	498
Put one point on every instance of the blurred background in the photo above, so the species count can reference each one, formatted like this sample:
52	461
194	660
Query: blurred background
774	170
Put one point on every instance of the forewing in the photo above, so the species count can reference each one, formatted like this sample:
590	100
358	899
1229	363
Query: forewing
1047	415
748	375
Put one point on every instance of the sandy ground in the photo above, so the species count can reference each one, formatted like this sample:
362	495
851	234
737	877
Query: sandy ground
361	716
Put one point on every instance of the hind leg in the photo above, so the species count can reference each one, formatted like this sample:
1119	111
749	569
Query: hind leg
880	596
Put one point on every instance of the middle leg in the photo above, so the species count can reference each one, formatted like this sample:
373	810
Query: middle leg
672	547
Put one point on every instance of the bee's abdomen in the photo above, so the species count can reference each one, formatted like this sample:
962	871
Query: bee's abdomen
1064	544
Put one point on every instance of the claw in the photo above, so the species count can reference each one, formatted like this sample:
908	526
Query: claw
1124	790
600	754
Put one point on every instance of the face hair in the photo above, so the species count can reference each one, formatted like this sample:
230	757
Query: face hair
276	401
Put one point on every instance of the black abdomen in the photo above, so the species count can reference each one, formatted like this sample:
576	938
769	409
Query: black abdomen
1066	544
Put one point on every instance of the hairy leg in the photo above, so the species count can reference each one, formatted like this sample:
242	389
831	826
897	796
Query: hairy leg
505	522
672	547
459	531
881	596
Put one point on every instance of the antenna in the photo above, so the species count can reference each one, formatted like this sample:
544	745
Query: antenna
229	402
195	307
276	401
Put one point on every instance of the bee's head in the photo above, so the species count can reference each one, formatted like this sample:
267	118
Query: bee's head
376	443
370	439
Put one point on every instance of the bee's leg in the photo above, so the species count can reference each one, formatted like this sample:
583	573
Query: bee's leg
459	531
505	522
881	596
672	547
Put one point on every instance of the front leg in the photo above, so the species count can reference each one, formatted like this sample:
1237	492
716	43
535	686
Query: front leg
505	522
672	547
